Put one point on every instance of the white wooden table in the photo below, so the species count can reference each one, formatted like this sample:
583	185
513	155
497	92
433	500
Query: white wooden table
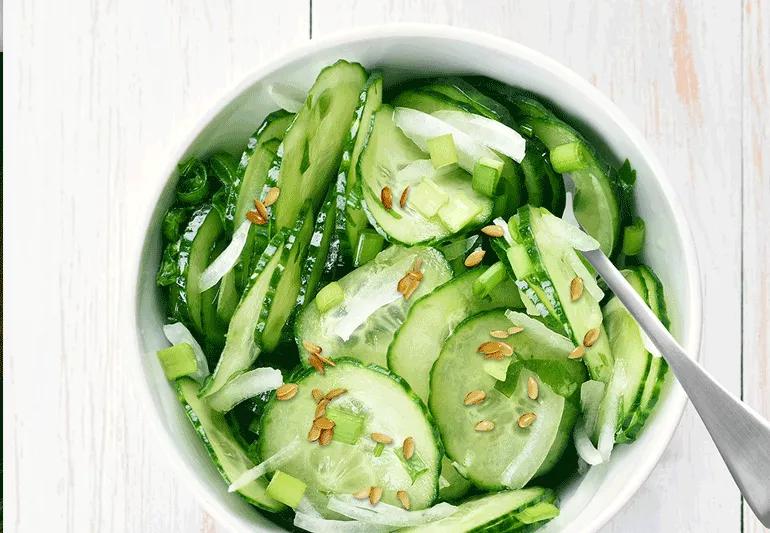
96	91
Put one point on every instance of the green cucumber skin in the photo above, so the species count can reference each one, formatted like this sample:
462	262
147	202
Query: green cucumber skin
322	254
302	373
350	218
509	522
254	493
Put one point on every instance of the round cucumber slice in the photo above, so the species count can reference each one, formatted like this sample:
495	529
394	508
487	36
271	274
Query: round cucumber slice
381	402
508	455
362	326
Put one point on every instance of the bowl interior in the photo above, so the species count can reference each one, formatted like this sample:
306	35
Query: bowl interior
419	51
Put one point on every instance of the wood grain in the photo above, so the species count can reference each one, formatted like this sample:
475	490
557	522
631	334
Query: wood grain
756	215
97	91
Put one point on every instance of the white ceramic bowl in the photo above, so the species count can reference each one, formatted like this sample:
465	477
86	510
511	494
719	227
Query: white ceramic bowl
404	51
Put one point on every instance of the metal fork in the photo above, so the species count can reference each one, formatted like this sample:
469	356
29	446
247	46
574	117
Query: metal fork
741	435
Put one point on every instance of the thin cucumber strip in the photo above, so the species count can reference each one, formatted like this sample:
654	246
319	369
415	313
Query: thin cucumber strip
241	348
463	94
373	309
417	343
226	453
387	406
322	251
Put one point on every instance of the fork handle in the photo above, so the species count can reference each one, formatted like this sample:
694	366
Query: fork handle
741	435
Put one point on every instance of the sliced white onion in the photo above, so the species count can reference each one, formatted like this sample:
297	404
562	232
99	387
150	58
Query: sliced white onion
591	394
585	448
177	333
421	127
459	248
490	133
648	344
286	97
576	237
529	323
244	386
589	281
384	514
611	403
316	524
268	465
506	230
227	259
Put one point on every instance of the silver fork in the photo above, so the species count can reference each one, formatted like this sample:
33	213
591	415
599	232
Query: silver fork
741	435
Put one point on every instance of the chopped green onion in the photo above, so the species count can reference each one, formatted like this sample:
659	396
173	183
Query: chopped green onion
443	152
348	426
193	186
414	466
633	237
286	489
329	297
378	449
427	198
458	213
491	278
177	361
537	513
569	157
486	176
370	243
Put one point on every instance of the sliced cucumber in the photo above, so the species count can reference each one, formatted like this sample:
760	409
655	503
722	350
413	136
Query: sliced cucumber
391	160
387	406
417	343
227	454
350	223
536	177
285	284
452	484
310	153
196	243
241	348
463	94
364	324
497	512
321	256
519	452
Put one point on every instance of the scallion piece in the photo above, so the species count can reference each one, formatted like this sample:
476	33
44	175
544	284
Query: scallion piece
378	449
537	513
370	243
348	426
177	361
490	279
329	297
633	237
486	176
286	489
569	157
414	466
443	152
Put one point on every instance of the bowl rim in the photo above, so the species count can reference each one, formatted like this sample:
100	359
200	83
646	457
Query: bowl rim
692	322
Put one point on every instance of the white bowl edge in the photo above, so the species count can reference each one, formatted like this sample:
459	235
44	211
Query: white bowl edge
222	506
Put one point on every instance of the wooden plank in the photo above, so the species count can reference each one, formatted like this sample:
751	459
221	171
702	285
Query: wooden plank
661	64
97	93
756	216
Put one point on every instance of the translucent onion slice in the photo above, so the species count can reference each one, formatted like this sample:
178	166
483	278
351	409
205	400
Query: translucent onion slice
506	230
490	133
576	237
384	514
585	448
268	465
421	127
177	333
227	259
286	97
245	386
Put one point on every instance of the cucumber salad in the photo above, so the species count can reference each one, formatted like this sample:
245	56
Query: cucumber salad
379	320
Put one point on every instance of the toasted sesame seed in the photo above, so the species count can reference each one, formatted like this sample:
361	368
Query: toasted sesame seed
404	196
408	448
375	494
286	391
498	334
577	352
314	434
474	258
335	392
317	395
271	196
475	397
326	437
261	209
311	347
386	196
316	363
505	348
497	356
526	420
320	409
484	426
325	360
255	218
493	230
532	388
488	347
324	423
576	288
591	336
382	438
403	497
513	330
